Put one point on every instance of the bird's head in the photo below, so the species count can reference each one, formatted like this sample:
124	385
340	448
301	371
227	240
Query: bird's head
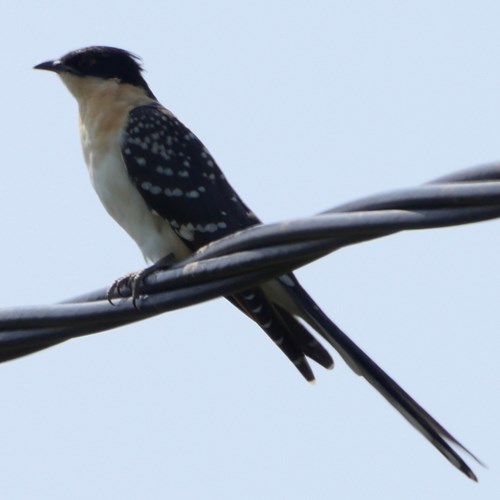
99	64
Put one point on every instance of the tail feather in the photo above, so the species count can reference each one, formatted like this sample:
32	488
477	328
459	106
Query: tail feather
363	365
284	330
306	341
275	310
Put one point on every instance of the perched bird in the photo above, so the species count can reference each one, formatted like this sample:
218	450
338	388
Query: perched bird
160	183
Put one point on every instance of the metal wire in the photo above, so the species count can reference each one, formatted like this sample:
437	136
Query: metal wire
256	255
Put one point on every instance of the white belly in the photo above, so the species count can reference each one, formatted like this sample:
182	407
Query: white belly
122	200
104	106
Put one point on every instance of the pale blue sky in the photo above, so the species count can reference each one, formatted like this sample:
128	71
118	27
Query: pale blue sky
305	105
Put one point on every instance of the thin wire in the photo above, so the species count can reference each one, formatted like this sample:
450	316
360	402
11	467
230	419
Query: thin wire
256	255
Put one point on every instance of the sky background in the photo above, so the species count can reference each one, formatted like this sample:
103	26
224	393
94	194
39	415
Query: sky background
305	105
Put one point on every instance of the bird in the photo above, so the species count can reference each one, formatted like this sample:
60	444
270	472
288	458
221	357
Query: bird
160	183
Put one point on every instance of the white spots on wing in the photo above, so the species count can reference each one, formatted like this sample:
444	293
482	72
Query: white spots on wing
181	169
173	192
164	170
186	231
209	228
212	176
137	141
148	186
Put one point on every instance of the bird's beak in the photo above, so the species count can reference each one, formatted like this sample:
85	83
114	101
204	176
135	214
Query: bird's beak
56	66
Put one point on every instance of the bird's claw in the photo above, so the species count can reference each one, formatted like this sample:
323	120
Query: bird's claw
131	282
134	282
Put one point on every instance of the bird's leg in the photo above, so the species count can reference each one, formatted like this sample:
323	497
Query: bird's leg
135	280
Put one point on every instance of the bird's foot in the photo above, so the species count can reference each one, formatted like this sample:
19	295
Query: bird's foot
133	282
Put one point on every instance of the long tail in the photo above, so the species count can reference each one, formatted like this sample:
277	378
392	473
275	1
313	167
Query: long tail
285	331
297	343
363	365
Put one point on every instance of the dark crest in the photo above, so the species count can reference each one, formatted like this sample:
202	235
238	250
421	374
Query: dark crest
106	62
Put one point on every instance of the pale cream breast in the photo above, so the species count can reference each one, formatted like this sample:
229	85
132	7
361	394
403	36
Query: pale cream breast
104	106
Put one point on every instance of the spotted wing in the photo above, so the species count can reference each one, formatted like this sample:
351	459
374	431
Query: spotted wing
179	179
181	182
